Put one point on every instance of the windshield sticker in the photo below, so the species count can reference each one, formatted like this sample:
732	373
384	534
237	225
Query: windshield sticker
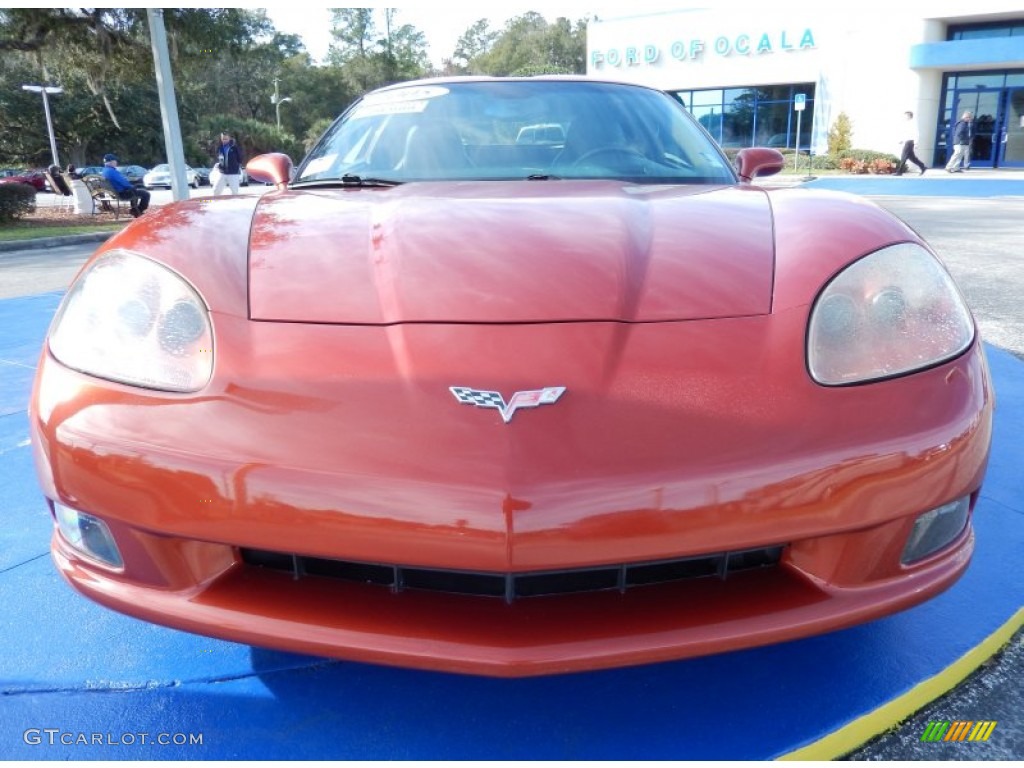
319	164
373	110
406	94
399	102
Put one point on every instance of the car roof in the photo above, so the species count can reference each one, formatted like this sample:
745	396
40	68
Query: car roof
456	79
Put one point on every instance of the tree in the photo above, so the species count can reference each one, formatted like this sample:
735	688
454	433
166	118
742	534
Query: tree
225	63
103	58
840	135
529	45
406	51
353	31
475	42
102	43
367	60
317	94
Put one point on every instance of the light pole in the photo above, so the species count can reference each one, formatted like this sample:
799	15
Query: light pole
278	101
46	89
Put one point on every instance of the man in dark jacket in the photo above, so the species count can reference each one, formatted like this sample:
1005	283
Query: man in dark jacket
961	144
229	163
123	188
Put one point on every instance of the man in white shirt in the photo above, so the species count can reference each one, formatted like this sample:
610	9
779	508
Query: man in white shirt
907	143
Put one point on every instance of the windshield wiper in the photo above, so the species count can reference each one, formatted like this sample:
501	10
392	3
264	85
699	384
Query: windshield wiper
350	180
542	177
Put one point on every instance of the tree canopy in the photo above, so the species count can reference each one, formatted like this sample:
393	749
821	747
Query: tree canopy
227	64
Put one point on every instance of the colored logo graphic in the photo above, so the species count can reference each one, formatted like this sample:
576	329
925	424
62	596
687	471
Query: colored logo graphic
486	399
958	730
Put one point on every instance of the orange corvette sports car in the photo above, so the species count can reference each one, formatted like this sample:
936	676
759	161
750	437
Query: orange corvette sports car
513	377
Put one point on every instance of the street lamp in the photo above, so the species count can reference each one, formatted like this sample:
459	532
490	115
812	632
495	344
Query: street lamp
277	101
46	89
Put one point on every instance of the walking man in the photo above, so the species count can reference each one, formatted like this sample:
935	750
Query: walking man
961	144
908	141
229	163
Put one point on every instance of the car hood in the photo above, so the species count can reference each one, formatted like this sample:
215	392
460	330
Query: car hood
511	252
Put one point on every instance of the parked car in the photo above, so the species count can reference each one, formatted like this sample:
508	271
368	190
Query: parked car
160	176
135	173
453	402
548	133
213	172
90	170
203	176
35	179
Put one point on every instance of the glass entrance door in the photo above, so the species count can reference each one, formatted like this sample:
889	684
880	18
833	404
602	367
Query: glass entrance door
985	104
1011	139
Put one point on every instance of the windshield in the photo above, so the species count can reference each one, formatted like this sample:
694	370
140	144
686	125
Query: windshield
517	129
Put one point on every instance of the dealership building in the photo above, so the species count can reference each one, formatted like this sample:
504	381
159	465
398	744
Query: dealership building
780	77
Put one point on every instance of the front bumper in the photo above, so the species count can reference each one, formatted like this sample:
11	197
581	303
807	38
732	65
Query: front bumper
371	460
481	635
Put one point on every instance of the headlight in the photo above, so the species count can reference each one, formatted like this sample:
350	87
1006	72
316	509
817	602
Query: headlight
132	320
895	311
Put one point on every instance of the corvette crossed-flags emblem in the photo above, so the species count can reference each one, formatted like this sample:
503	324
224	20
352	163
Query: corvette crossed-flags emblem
526	399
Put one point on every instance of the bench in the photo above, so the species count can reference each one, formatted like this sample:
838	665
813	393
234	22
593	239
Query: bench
104	198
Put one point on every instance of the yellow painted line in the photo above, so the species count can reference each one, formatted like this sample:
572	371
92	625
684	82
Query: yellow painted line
891	714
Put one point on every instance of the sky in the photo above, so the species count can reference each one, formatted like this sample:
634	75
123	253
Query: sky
443	24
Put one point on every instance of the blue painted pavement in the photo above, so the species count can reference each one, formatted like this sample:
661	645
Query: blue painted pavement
935	182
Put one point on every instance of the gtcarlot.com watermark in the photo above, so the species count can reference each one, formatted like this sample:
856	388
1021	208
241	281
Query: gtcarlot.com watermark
54	736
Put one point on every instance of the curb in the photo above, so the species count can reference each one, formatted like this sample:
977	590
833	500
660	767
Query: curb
54	242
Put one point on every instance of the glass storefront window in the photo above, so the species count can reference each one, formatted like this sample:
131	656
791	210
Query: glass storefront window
711	119
758	115
996	99
707	98
989	80
774	128
783	92
731	95
983	31
737	128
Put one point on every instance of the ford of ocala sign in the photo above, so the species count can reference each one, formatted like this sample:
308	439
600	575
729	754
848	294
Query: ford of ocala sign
689	50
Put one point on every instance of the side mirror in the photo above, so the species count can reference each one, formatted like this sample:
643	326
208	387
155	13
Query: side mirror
758	161
272	168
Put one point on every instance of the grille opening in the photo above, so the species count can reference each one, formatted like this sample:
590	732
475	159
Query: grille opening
512	586
367	573
559	582
492	585
678	570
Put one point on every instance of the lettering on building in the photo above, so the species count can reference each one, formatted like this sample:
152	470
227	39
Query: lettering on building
694	49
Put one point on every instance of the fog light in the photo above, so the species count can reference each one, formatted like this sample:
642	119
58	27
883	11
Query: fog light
935	529
88	534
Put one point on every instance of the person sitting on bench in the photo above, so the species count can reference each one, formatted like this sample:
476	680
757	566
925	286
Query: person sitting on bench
139	198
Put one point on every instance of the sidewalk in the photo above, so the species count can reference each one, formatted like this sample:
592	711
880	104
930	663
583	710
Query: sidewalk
996	183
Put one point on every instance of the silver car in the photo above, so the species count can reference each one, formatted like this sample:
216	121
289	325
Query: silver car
160	176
